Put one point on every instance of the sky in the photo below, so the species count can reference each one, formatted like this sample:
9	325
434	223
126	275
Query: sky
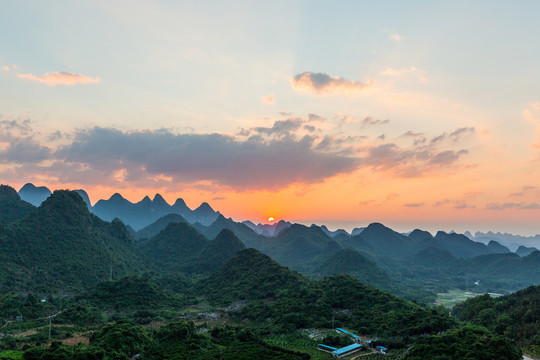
417	114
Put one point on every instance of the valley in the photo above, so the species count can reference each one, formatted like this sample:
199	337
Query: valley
74	285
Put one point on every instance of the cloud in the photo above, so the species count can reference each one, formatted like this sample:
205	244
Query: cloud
396	37
409	161
281	127
292	150
60	78
458	204
254	163
512	205
24	151
324	84
6	67
524	190
15	127
447	157
268	99
372	121
414	205
455	136
442	202
348	119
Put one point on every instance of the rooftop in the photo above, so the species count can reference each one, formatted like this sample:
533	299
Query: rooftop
347	349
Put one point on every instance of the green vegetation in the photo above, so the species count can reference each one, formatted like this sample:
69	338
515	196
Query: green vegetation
351	262
452	297
178	295
11	355
12	208
466	343
516	316
61	246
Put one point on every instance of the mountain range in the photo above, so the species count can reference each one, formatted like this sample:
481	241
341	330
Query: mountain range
136	215
171	242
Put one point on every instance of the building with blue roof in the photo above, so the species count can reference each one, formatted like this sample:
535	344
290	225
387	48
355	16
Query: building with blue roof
326	348
382	349
355	337
347	350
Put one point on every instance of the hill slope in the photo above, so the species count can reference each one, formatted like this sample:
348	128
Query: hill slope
62	245
516	315
351	262
12	207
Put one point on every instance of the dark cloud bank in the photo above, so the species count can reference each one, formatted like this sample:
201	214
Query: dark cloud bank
292	150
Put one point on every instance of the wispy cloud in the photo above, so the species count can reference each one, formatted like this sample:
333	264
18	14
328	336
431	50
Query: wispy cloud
60	78
512	205
324	84
414	205
396	37
457	204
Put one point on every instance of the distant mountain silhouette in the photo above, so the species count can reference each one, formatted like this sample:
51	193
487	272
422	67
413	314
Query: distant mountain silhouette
180	247
509	240
85	197
497	248
157	226
524	251
351	262
379	240
269	230
420	236
34	195
299	244
333	233
249	237
145	212
463	247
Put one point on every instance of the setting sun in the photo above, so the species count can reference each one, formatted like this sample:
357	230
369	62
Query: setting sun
270	219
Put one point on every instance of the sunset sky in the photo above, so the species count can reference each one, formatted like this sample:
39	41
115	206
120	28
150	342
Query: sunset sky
416	114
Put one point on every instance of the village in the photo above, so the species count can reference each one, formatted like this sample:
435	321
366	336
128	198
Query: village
358	345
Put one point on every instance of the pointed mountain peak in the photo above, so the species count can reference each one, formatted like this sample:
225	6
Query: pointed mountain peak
159	200
116	197
145	200
204	206
226	234
180	203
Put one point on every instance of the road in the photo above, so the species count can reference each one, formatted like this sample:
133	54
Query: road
42	318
